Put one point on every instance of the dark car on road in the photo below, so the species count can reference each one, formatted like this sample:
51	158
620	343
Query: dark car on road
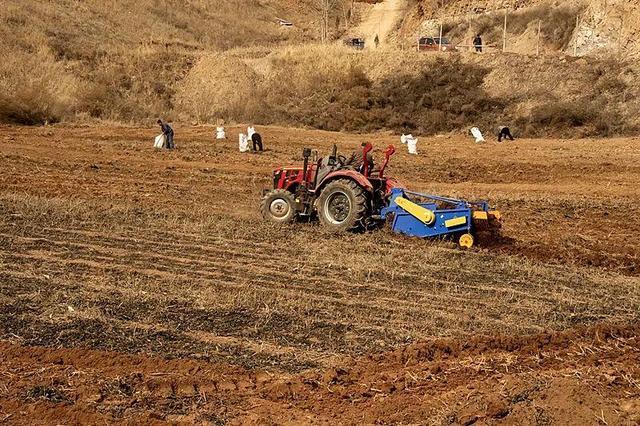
435	44
355	42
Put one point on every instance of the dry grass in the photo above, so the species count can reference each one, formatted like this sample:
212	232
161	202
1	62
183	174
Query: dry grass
226	282
219	86
96	27
34	88
558	22
120	60
331	88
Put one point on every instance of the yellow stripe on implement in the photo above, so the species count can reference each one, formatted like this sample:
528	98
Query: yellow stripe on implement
425	216
456	221
480	216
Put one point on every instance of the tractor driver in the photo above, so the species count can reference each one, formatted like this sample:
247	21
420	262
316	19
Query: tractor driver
356	162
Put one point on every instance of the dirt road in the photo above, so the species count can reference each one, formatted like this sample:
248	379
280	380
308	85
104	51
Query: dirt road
382	19
142	286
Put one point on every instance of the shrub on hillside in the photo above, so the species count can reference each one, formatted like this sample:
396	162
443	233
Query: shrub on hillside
331	91
602	111
219	87
444	96
34	89
133	86
558	24
580	118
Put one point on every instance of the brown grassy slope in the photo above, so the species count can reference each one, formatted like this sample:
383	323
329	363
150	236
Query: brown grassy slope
92	28
335	88
121	59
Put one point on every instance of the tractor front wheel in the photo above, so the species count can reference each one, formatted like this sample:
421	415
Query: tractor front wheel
342	206
278	206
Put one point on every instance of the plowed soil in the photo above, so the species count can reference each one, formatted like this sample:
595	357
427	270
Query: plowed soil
141	286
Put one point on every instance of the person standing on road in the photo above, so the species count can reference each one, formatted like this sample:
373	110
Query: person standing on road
376	41
477	43
167	131
504	133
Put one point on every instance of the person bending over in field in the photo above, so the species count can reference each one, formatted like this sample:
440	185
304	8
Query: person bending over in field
167	131
504	133
256	139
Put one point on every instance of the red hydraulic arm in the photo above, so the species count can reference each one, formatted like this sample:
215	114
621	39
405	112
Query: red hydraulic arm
365	168
387	155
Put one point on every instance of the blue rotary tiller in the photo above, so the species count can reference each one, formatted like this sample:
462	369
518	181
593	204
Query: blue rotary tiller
430	216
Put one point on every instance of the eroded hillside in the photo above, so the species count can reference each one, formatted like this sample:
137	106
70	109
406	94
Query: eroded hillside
586	27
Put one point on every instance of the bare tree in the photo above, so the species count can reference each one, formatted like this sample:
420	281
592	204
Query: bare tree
326	9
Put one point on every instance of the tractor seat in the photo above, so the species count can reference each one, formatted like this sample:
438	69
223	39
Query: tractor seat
324	168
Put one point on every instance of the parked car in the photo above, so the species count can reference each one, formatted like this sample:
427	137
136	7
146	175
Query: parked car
355	42
434	44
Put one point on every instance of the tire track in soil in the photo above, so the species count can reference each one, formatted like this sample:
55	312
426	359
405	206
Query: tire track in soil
195	252
478	379
378	326
188	320
137	257
215	271
444	312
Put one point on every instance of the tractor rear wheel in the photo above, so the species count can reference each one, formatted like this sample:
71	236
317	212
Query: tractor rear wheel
342	206
278	206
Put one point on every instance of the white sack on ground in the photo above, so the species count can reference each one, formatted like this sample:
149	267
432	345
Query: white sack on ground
243	142
412	145
160	142
250	131
220	133
477	134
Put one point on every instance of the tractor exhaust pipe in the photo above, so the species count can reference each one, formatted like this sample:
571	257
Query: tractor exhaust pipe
306	153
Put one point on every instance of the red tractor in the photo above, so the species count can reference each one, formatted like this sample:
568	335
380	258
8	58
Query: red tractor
345	194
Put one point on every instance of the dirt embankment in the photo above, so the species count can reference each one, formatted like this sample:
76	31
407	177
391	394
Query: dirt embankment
595	27
588	377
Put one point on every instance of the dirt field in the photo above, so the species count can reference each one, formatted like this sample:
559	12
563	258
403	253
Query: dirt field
140	287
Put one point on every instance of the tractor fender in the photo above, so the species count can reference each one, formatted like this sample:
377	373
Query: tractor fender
349	174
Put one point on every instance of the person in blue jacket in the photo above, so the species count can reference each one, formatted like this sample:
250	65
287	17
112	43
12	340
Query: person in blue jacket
167	130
